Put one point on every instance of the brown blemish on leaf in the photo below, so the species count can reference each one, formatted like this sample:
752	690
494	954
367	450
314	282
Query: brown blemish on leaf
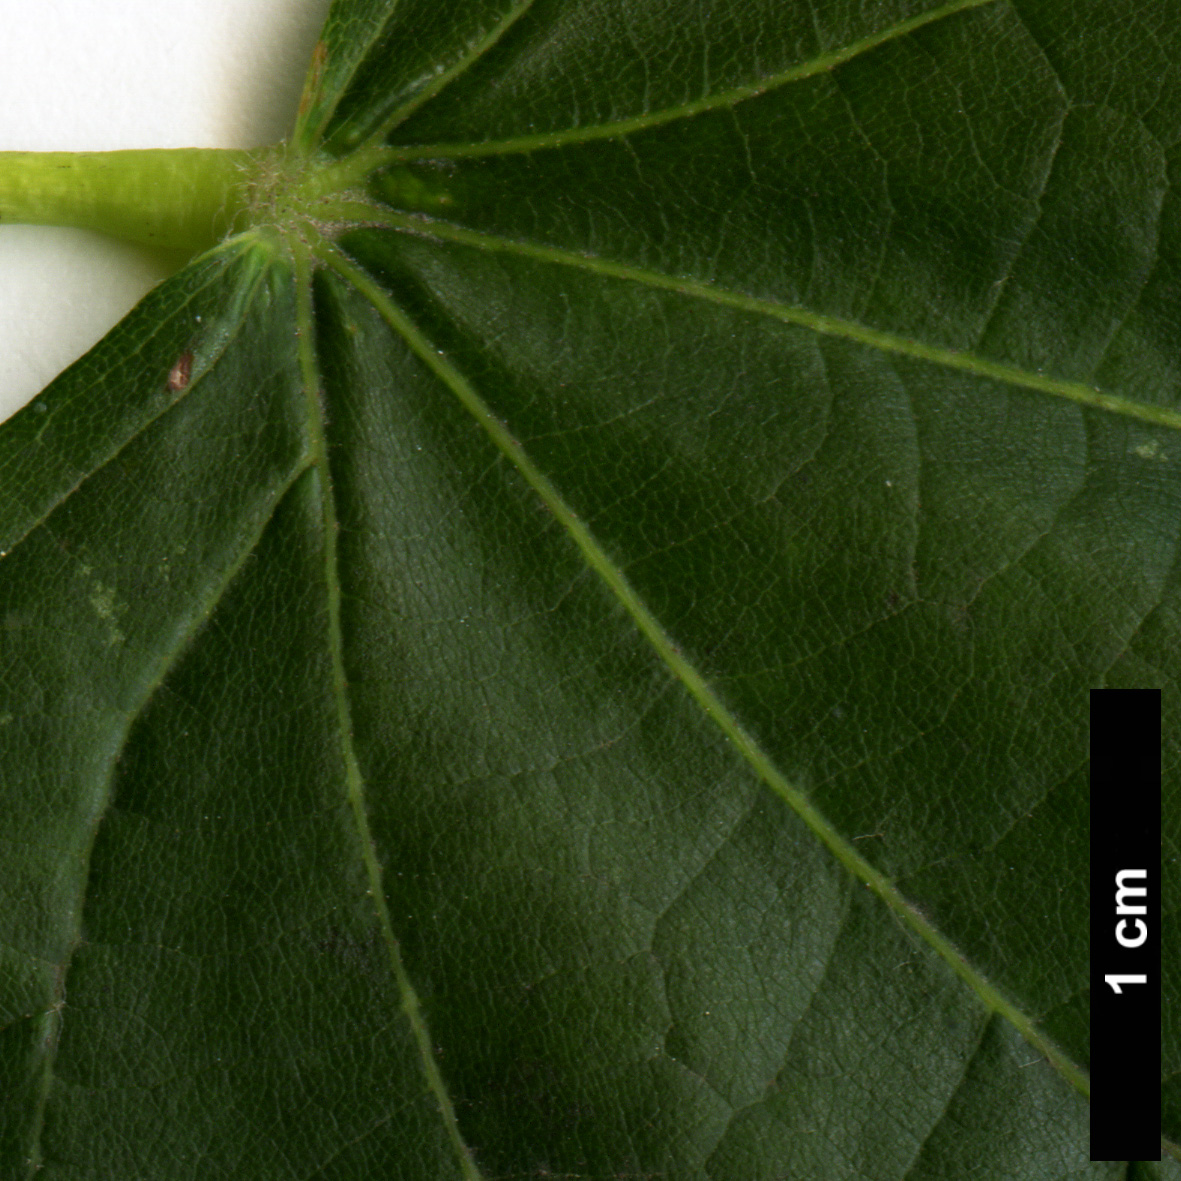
311	90
179	374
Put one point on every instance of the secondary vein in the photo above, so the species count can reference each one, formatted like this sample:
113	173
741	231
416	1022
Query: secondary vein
240	305
355	784
50	1021
820	64
306	132
449	75
689	676
887	342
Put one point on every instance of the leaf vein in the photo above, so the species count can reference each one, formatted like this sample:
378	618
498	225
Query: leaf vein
443	80
199	615
359	59
916	1160
695	683
354	778
820	64
230	336
818	322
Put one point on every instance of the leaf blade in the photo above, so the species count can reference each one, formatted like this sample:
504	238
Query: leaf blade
844	414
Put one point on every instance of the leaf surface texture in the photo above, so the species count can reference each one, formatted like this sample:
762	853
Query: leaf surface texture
589	677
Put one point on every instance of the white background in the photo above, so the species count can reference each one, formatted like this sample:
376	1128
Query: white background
98	75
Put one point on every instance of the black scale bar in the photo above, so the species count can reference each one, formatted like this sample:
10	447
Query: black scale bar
1125	924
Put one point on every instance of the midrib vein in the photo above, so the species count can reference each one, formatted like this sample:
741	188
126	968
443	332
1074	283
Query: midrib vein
682	669
727	98
355	785
886	342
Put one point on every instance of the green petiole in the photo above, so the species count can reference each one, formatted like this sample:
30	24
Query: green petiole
178	198
189	199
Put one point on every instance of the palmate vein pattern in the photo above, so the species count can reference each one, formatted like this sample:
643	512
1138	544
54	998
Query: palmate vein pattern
697	686
625	688
1079	392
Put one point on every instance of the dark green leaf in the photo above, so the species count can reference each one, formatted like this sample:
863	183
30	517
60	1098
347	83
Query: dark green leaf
588	678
